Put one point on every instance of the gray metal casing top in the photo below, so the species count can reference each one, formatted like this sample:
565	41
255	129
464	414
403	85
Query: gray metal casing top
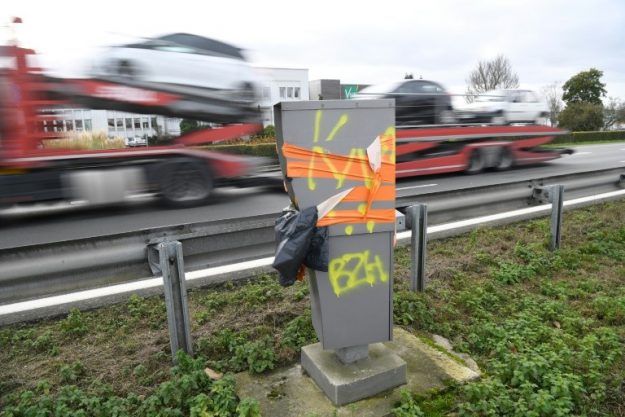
367	119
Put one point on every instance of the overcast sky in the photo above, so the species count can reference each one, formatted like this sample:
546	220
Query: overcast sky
357	42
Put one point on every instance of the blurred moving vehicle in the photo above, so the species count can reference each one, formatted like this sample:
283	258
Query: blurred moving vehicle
502	107
417	102
183	60
178	174
136	141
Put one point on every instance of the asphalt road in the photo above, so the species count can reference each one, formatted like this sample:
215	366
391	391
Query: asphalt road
45	227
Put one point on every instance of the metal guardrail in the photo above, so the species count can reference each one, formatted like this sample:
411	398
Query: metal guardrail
448	206
31	272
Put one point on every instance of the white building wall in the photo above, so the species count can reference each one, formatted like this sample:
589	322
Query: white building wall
281	84
98	120
113	123
171	125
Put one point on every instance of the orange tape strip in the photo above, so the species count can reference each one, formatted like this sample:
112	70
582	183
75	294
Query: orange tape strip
361	193
354	216
317	168
297	152
374	189
316	163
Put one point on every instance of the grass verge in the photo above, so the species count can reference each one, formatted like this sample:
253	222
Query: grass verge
546	328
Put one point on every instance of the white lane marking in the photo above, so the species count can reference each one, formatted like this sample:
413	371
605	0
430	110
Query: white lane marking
416	186
580	153
401	171
263	262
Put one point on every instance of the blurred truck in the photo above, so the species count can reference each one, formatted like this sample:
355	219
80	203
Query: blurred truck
178	174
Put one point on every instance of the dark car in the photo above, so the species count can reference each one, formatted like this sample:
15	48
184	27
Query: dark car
417	102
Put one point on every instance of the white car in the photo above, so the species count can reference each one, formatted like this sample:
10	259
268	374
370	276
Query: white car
504	106
136	141
179	61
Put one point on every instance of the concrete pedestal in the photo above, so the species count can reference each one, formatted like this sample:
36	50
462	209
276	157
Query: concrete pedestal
289	393
346	383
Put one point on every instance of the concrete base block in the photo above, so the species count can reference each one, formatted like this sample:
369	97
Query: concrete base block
290	393
346	383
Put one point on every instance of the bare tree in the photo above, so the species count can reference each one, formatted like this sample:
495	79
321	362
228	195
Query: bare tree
613	112
489	75
553	97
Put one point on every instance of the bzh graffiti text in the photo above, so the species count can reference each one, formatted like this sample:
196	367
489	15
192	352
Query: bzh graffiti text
353	270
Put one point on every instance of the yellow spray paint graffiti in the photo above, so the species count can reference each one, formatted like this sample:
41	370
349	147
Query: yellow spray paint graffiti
339	176
353	270
342	122
319	152
356	155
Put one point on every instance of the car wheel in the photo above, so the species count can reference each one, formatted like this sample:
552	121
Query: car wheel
476	162
505	159
184	183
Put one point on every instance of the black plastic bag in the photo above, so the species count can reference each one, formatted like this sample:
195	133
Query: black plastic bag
299	241
318	253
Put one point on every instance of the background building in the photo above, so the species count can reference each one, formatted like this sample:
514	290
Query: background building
333	90
325	89
281	84
113	123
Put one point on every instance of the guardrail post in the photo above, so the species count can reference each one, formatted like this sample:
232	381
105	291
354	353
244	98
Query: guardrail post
172	267
553	194
556	197
416	220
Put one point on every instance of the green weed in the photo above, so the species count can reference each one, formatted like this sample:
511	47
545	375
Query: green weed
299	332
301	293
74	324
611	310
410	308
407	406
512	273
71	372
188	393
238	351
537	367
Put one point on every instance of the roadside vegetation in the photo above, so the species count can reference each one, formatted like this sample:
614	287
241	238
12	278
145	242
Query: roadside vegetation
579	138
547	329
85	140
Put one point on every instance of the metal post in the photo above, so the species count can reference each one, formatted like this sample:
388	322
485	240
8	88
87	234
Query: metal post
417	216
172	268
352	354
556	196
